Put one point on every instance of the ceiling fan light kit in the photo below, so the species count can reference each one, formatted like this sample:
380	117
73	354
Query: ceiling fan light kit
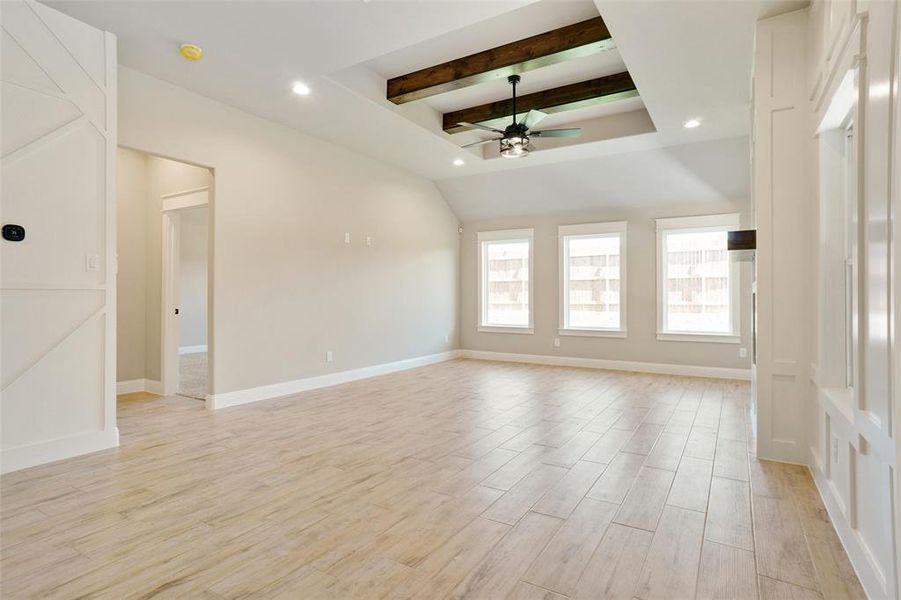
514	140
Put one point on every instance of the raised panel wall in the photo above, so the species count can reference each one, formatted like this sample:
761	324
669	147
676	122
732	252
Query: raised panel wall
58	93
853	449
782	208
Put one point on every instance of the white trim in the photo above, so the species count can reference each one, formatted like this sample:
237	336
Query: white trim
565	232
192	349
171	224
872	579
129	387
22	457
716	338
527	235
692	225
139	385
188	192
193	200
843	102
613	365
592	228
608	333
289	388
505	234
700	222
504	329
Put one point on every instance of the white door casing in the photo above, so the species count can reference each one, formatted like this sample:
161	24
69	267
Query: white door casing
173	205
58	285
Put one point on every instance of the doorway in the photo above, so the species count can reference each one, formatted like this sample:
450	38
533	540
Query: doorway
163	239
185	299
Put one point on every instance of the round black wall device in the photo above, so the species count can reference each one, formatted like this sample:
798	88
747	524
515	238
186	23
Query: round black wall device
13	233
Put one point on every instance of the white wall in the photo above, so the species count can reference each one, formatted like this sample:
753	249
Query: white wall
853	446
641	344
192	277
286	287
785	217
848	438
59	283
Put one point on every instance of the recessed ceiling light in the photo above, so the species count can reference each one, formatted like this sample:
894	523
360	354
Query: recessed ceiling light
300	88
692	123
191	52
458	162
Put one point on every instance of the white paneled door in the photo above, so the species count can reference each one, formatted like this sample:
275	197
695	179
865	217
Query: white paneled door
58	284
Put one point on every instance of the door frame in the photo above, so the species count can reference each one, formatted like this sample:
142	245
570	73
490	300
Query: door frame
172	205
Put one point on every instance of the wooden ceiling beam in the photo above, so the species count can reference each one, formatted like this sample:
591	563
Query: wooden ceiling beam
573	41
554	100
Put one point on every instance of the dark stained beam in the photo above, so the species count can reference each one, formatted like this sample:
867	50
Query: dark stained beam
573	41
554	100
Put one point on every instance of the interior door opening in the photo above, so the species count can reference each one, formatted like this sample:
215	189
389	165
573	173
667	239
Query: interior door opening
164	216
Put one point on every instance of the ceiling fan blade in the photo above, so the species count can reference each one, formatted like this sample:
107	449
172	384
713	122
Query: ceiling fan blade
533	117
480	142
477	126
574	132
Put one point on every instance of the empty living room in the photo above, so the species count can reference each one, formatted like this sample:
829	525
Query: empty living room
427	299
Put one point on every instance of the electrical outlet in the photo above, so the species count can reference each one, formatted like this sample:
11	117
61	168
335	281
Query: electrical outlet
556	342
346	237
743	353
368	240
446	338
91	262
329	356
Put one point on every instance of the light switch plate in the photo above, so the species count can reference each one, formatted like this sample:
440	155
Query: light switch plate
91	262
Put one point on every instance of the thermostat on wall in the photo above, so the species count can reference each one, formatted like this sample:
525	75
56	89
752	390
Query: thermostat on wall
13	233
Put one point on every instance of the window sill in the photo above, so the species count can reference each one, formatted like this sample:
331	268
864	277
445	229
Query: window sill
609	333
722	338
504	329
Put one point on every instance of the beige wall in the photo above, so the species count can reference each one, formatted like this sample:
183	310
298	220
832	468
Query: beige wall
641	308
192	277
131	236
142	180
286	287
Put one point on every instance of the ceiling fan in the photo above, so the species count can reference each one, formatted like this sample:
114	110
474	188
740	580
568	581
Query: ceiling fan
514	140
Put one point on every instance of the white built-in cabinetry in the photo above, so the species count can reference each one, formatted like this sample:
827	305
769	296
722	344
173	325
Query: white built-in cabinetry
825	139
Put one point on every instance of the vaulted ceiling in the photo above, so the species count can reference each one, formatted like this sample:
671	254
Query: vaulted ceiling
687	59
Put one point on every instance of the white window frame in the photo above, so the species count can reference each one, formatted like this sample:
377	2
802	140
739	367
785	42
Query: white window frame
588	230
506	235
729	221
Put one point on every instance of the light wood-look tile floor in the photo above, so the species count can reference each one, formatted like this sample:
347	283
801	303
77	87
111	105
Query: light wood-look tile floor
459	480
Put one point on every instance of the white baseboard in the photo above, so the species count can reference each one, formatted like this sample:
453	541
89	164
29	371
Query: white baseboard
191	349
614	365
22	457
139	385
872	579
288	388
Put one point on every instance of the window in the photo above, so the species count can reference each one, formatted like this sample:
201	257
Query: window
505	281
697	293
593	279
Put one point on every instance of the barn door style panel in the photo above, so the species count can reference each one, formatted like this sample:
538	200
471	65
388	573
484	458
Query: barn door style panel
58	284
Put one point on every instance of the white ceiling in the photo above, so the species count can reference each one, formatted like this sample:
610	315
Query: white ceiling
692	174
689	59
